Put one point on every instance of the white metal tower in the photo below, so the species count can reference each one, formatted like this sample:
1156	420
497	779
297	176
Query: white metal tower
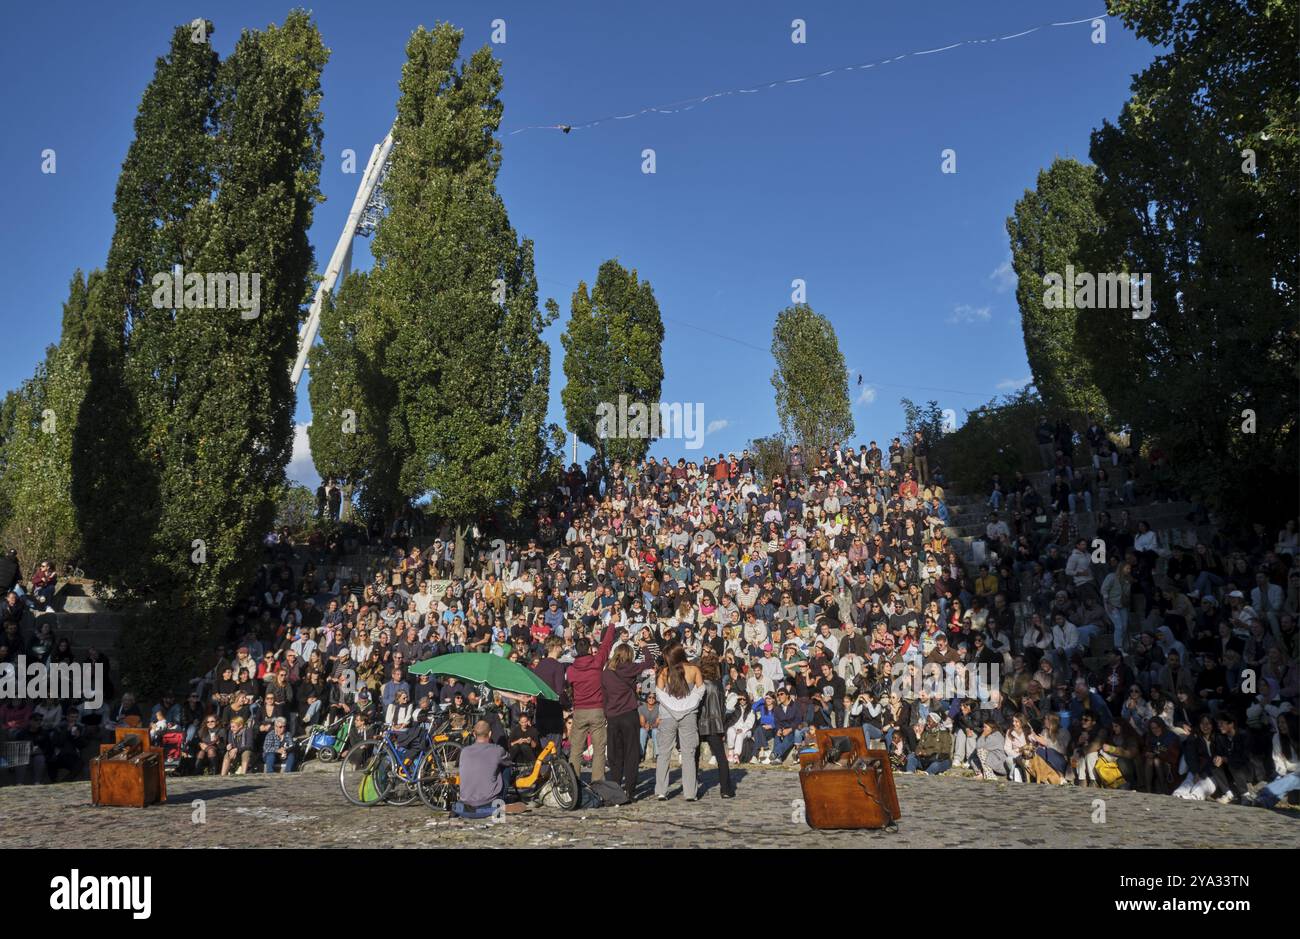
367	209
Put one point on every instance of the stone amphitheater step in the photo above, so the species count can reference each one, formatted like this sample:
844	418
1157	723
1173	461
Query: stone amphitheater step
1170	529
74	604
83	620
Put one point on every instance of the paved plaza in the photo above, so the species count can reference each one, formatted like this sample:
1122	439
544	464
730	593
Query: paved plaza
307	809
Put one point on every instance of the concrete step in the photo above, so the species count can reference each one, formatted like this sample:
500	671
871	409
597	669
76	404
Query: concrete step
74	604
73	623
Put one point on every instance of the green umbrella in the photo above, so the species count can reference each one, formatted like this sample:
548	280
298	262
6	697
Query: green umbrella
487	669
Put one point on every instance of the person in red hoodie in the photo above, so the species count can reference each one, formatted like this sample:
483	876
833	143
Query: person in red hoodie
589	703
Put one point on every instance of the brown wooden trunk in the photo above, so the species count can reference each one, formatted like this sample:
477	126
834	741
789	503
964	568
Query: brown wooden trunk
859	796
138	780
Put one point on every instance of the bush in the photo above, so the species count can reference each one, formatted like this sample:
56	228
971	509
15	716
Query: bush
999	437
160	646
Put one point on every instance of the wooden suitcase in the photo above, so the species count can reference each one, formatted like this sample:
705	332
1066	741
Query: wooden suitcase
862	795
128	772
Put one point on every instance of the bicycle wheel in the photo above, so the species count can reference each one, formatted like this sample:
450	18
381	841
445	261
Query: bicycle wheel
402	792
564	781
437	784
367	774
448	754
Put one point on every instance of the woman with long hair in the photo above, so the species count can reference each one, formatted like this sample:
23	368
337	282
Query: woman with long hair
618	681
399	713
210	747
712	719
1016	745
680	688
1198	753
1049	762
691	643
1286	760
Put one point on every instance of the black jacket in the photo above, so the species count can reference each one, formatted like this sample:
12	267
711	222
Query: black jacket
712	717
1200	753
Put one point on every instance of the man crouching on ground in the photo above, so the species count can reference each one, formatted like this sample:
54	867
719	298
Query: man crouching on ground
482	780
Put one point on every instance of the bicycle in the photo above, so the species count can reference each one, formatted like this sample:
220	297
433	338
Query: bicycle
378	770
550	766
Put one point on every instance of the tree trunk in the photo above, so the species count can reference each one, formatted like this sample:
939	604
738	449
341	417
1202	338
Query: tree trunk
345	512
458	558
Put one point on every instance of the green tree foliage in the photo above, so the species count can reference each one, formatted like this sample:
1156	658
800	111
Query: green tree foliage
454	325
346	436
769	456
41	523
613	345
222	178
997	437
8	425
163	194
1055	225
1220	243
295	508
927	418
226	429
812	386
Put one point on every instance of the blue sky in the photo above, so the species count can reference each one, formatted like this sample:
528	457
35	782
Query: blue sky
835	180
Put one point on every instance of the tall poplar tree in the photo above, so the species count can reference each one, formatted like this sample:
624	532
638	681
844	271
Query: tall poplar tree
1055	225
1200	188
195	400
163	193
345	434
454	323
613	345
811	382
41	523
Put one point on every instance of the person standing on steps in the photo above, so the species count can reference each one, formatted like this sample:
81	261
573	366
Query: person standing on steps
550	714
680	687
584	676
712	719
622	716
334	498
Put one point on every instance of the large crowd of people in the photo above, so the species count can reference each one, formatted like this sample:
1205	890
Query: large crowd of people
725	615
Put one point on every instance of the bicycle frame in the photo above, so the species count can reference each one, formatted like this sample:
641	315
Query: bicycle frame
531	780
402	762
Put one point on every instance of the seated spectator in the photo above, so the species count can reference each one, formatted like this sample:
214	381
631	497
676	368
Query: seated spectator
43	586
210	747
934	747
990	756
279	750
483	769
239	747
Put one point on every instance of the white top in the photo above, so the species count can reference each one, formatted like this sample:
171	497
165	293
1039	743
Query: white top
680	706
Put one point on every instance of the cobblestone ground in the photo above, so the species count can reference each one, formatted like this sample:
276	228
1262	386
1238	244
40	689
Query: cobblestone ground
306	809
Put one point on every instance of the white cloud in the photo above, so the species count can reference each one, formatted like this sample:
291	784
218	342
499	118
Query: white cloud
1004	277
716	426
300	468
1014	384
964	313
868	395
